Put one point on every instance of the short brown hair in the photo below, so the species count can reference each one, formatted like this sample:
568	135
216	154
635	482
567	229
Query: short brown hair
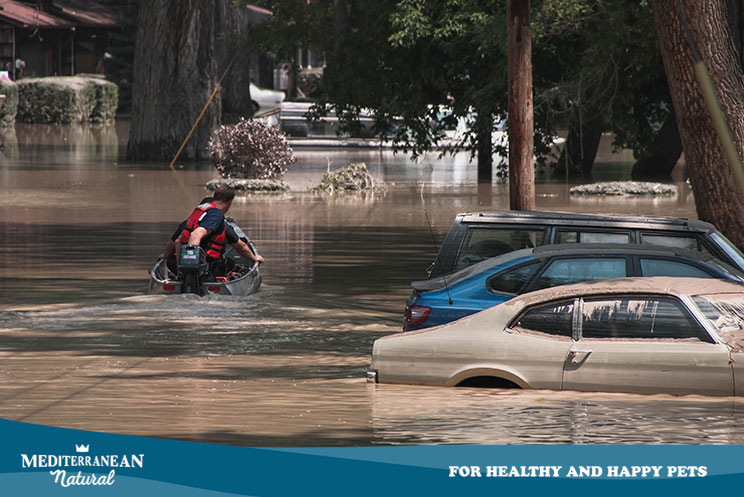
224	193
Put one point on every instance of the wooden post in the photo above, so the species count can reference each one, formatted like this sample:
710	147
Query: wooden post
520	119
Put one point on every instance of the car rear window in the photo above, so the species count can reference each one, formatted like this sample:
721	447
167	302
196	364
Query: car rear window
553	319
483	243
512	280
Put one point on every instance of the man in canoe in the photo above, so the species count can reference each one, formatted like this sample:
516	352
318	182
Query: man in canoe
206	227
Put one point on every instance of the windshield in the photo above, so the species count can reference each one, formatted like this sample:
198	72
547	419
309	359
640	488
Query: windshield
737	258
726	313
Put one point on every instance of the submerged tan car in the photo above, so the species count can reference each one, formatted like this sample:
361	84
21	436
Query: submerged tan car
638	335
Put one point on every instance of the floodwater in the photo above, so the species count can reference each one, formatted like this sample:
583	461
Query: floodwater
82	346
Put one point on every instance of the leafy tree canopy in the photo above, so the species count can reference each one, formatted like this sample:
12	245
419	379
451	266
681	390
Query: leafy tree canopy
407	60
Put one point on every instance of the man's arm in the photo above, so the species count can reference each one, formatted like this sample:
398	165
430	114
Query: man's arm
196	236
243	249
170	249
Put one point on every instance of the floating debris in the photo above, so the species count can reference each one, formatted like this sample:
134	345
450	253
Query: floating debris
354	177
625	188
250	185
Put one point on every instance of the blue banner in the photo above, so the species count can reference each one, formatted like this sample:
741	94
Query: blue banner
41	460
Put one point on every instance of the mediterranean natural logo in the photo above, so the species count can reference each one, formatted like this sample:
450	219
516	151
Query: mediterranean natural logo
82	468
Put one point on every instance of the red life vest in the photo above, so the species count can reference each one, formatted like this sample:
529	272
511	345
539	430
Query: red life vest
214	244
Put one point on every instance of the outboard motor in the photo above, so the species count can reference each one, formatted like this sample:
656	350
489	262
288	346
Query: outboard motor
192	266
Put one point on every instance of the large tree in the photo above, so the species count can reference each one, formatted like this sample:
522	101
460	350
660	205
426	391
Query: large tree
706	31
233	23
598	69
174	75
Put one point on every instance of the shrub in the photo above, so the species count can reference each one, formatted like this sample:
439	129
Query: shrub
10	105
106	100
250	150
66	100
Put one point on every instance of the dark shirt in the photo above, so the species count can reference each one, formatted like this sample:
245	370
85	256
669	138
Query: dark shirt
230	237
212	220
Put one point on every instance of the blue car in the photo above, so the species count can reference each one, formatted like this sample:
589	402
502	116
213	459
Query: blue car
453	296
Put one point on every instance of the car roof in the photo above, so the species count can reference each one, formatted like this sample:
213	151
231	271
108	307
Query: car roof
449	279
581	219
618	248
567	249
653	284
679	287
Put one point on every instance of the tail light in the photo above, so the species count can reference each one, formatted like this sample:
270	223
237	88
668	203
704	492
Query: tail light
415	316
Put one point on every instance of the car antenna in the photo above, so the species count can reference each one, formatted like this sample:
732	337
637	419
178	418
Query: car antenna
433	239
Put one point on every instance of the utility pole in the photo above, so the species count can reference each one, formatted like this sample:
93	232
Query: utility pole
520	118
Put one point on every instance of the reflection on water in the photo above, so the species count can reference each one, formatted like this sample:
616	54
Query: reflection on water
82	347
471	416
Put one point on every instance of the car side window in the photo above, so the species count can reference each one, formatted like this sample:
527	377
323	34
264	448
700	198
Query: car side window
552	319
639	317
677	241
567	271
480	244
659	267
566	236
511	281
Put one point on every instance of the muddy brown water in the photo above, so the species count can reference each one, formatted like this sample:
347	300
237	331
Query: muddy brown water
82	346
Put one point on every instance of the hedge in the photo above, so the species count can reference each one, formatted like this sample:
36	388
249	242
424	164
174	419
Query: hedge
10	105
66	100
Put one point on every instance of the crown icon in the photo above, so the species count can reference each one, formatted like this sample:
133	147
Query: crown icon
82	448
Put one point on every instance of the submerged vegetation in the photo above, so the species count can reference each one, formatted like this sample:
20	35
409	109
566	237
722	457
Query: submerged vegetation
250	185
625	188
354	177
10	105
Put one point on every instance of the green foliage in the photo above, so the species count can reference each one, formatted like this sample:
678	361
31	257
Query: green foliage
293	23
120	65
408	60
106	96
431	64
66	100
600	59
10	105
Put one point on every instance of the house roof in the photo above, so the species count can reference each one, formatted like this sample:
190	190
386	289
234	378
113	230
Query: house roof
87	13
81	13
30	17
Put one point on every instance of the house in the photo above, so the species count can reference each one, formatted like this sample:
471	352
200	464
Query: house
54	37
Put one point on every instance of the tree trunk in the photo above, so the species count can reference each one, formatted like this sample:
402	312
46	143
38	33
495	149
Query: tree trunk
716	197
520	118
582	143
663	156
232	23
174	75
484	124
736	22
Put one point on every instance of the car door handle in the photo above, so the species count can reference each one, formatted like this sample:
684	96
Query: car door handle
578	356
